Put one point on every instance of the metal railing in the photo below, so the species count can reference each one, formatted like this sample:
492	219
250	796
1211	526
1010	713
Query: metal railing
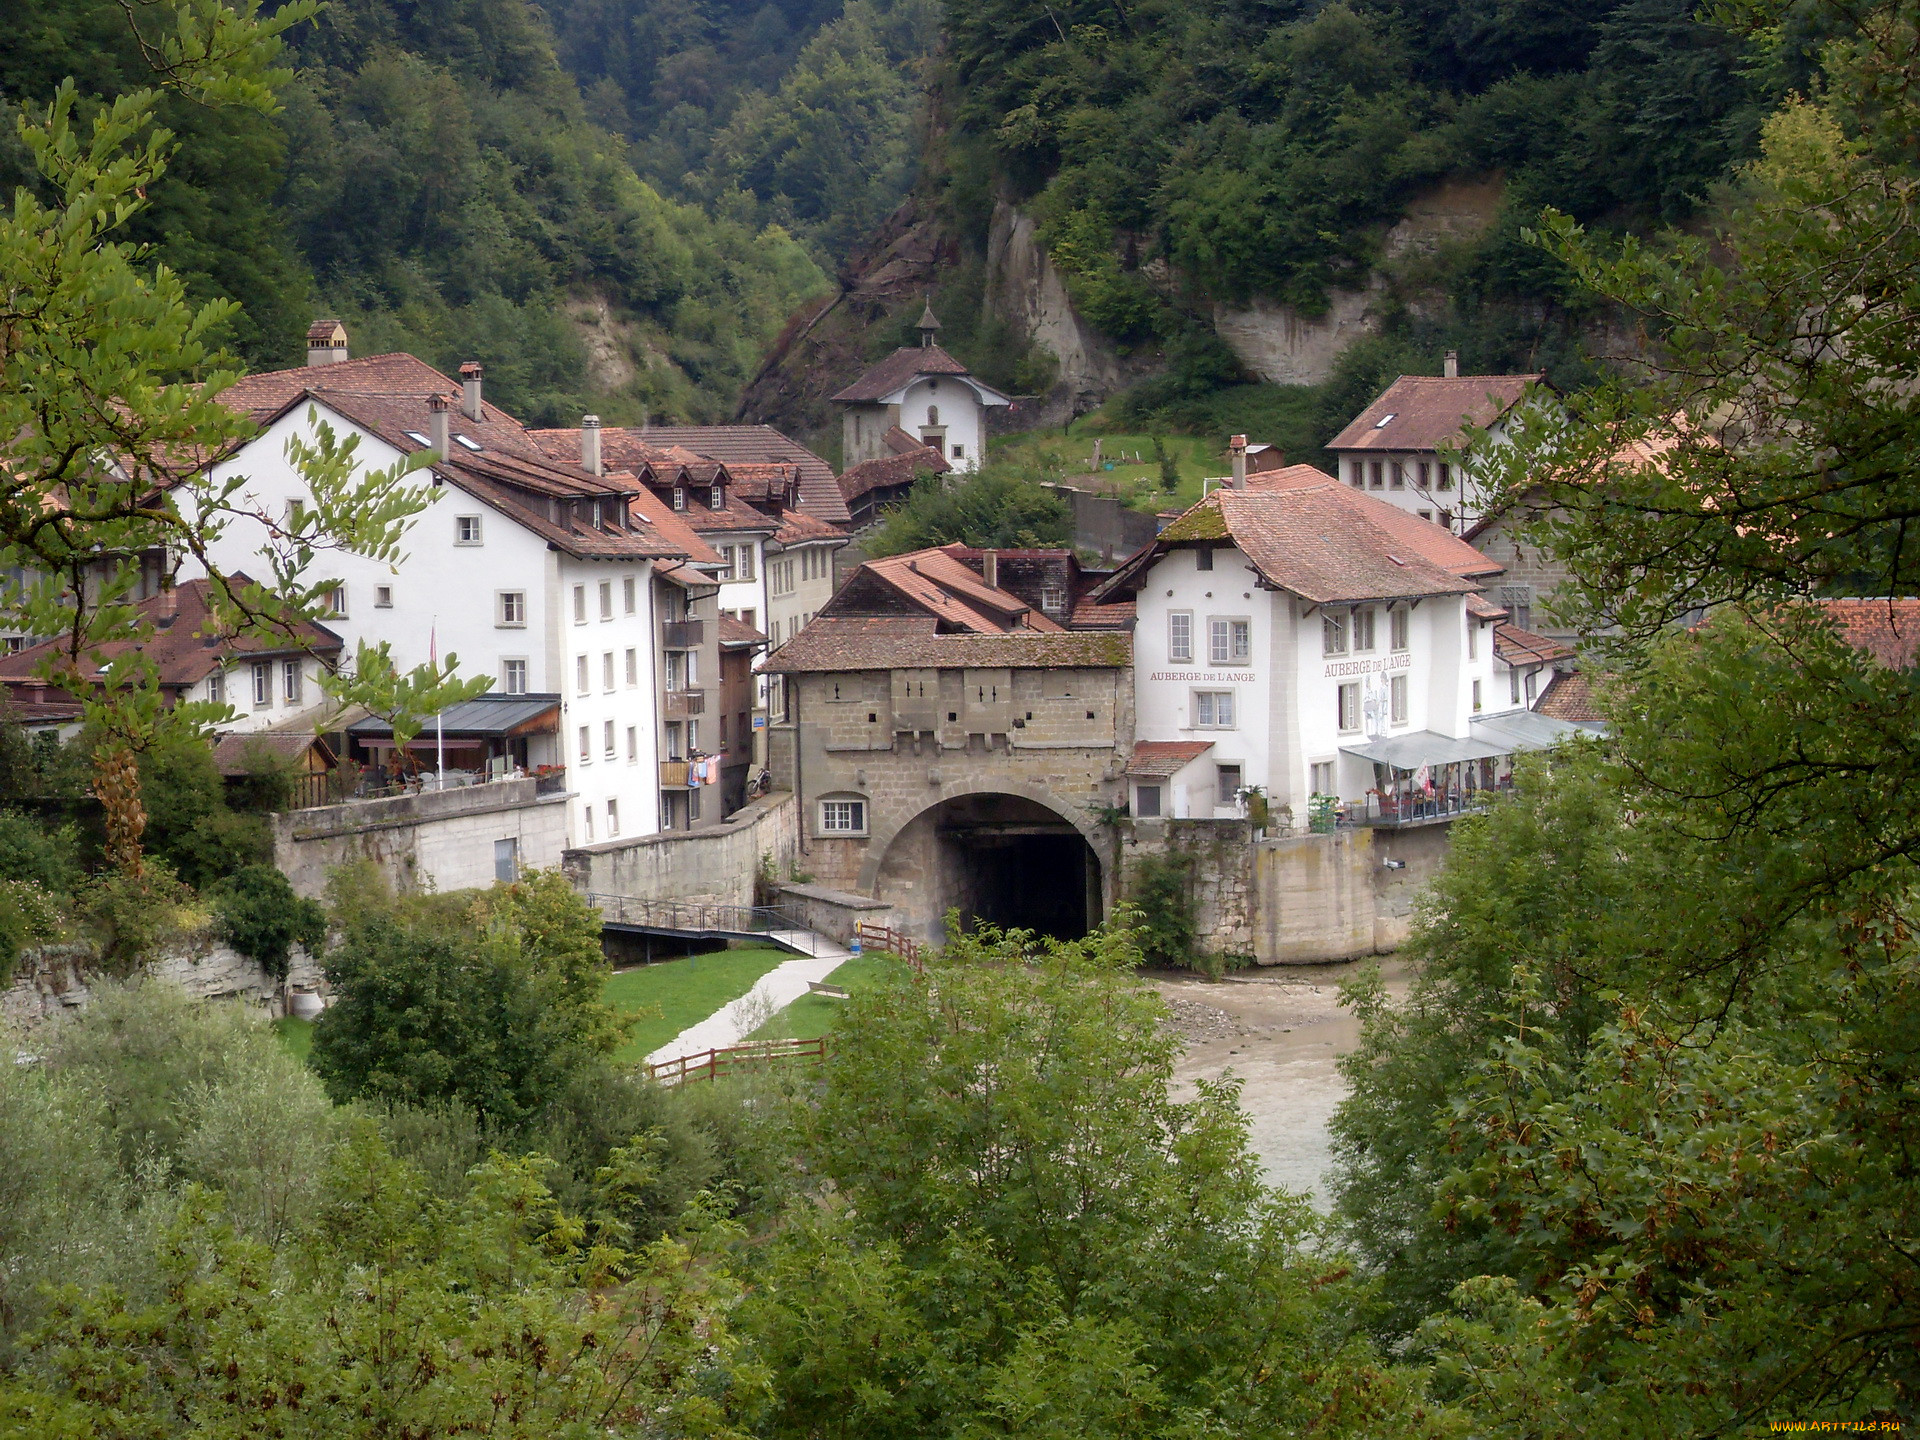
737	1059
681	634
679	704
702	918
1410	808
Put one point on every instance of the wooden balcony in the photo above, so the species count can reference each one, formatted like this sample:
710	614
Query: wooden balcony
679	704
682	634
673	774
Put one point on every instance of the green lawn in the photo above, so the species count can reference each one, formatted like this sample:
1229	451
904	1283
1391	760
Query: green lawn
685	992
810	1016
1066	459
296	1035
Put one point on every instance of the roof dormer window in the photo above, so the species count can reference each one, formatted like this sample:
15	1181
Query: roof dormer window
679	497
716	499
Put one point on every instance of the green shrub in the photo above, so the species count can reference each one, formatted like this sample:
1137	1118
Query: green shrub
132	917
28	914
1162	892
41	854
261	917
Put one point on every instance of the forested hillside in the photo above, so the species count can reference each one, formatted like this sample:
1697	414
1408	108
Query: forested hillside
436	180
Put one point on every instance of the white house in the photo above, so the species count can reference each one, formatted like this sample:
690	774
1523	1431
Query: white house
532	572
1401	448
923	391
1300	638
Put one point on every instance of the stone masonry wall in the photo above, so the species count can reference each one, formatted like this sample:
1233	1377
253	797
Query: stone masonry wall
1299	899
54	979
717	865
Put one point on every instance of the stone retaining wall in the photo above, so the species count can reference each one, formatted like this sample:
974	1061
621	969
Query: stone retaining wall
718	865
54	979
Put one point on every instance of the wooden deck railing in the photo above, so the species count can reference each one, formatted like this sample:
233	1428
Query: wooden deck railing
892	942
736	1059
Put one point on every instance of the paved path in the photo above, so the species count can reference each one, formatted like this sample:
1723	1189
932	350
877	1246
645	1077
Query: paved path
771	994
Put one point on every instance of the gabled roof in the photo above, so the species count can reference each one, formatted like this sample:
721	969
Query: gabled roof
908	642
884	383
1522	647
762	445
185	647
1887	629
938	582
494	458
1325	542
1424	412
799	528
665	521
1161	759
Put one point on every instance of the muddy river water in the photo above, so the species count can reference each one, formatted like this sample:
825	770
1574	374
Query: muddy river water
1278	1031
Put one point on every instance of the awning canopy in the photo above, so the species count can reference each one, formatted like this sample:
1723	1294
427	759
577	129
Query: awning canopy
1423	747
1525	730
486	717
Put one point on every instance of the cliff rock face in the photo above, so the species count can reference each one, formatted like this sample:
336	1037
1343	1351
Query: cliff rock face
1280	345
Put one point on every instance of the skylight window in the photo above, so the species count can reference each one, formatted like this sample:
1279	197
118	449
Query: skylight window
417	437
472	444
1384	421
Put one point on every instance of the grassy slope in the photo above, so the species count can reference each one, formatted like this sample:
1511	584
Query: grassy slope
811	1016
685	992
1052	456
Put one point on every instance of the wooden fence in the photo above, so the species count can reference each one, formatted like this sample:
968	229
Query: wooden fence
893	942
738	1059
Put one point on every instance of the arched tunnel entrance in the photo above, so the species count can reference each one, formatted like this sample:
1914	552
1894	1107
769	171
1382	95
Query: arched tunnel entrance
995	858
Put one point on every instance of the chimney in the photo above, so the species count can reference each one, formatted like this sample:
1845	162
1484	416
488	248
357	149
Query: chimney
590	444
169	602
1237	448
437	407
990	568
326	342
1450	367
470	384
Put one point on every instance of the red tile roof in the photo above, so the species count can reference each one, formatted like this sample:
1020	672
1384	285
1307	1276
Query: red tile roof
897	371
1165	758
666	522
763	445
1886	629
906	642
736	633
1325	542
1482	608
941	584
184	648
1569	696
1522	647
1424	412
902	467
799	528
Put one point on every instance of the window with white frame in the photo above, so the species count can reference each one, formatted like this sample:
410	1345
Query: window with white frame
263	685
513	609
1348	704
743	563
1180	636
1476	697
296	515
633	744
627	592
1333	632
1356	474
606	738
291	675
383	597
581	683
1446	476
217	687
1513	686
1203	558
606	599
1398	481
1213	709
1363	628
725	571
1397	627
674	670
1321	777
606	670
633	667
959	452
1146	801
716	498
693	735
1397	699
674	732
693	805
513	676
1229	641
337	601
588	814
1053	599
693	669
679	497
843	816
466	529
586	745
613	818
579	604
